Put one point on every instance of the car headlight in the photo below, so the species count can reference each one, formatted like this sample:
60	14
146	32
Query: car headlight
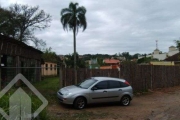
67	94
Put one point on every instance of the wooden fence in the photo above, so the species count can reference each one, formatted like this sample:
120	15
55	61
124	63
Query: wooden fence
141	77
82	74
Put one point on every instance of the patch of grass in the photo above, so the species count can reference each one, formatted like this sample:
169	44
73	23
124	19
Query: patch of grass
48	88
50	83
35	104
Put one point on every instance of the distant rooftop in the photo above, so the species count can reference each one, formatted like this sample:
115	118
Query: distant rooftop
111	61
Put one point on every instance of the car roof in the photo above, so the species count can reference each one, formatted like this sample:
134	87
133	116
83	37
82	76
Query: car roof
107	78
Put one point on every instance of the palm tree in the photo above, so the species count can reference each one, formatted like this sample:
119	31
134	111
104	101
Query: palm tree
73	18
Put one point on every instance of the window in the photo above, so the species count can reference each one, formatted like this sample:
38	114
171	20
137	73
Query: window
102	85
46	66
87	83
51	66
114	84
54	67
123	84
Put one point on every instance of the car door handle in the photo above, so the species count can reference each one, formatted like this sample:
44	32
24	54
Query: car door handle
104	91
120	89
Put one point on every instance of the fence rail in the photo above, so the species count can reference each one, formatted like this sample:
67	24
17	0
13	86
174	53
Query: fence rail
141	77
82	74
33	74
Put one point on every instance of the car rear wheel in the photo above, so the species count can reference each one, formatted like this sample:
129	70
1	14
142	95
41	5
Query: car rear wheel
80	103
125	100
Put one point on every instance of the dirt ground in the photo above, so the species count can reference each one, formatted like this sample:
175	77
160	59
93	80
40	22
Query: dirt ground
160	104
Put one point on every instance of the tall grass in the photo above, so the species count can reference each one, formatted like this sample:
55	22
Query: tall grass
47	87
36	103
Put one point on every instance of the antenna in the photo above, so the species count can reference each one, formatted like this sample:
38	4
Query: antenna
156	44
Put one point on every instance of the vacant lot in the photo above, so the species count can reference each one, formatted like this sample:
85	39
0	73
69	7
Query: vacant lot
160	104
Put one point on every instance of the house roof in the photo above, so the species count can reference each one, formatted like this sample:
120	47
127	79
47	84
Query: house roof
111	61
13	47
106	67
175	57
7	39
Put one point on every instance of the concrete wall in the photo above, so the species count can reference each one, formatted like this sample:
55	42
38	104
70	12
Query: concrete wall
171	53
160	56
162	63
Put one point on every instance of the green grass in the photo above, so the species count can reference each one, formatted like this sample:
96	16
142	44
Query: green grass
49	83
48	88
35	102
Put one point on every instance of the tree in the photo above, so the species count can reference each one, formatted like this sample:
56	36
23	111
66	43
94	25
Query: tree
20	22
177	42
73	18
70	62
49	55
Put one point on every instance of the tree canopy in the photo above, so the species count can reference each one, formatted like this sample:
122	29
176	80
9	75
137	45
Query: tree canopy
20	22
69	60
50	56
177	42
73	17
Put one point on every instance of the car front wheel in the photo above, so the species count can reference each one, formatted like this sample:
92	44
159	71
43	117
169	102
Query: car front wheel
79	103
125	100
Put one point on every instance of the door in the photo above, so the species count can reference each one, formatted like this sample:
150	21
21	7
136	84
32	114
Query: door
99	94
114	90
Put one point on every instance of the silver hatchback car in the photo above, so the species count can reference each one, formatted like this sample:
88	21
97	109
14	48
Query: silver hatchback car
96	90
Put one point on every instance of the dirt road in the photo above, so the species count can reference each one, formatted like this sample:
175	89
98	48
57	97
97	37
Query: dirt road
162	104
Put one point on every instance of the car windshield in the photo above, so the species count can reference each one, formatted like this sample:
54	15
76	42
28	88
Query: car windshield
87	83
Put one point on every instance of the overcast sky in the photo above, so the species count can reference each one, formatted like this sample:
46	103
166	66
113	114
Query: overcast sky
114	26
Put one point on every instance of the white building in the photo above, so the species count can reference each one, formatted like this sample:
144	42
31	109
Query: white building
157	54
172	51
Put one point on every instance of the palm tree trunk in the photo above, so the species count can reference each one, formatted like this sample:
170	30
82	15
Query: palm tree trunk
75	68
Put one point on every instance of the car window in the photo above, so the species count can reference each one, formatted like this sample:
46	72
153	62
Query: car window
123	84
87	83
102	85
114	84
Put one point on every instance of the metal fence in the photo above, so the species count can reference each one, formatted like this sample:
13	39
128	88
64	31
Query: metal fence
33	74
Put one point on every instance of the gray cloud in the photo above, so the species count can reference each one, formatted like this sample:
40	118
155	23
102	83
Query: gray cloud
113	26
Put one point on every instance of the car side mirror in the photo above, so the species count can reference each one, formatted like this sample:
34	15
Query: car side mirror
94	88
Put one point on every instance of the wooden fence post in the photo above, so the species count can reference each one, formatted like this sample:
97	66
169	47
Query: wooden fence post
151	77
0	71
0	63
60	77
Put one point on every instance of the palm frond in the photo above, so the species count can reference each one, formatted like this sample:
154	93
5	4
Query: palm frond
73	17
65	20
82	21
65	10
81	10
73	6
